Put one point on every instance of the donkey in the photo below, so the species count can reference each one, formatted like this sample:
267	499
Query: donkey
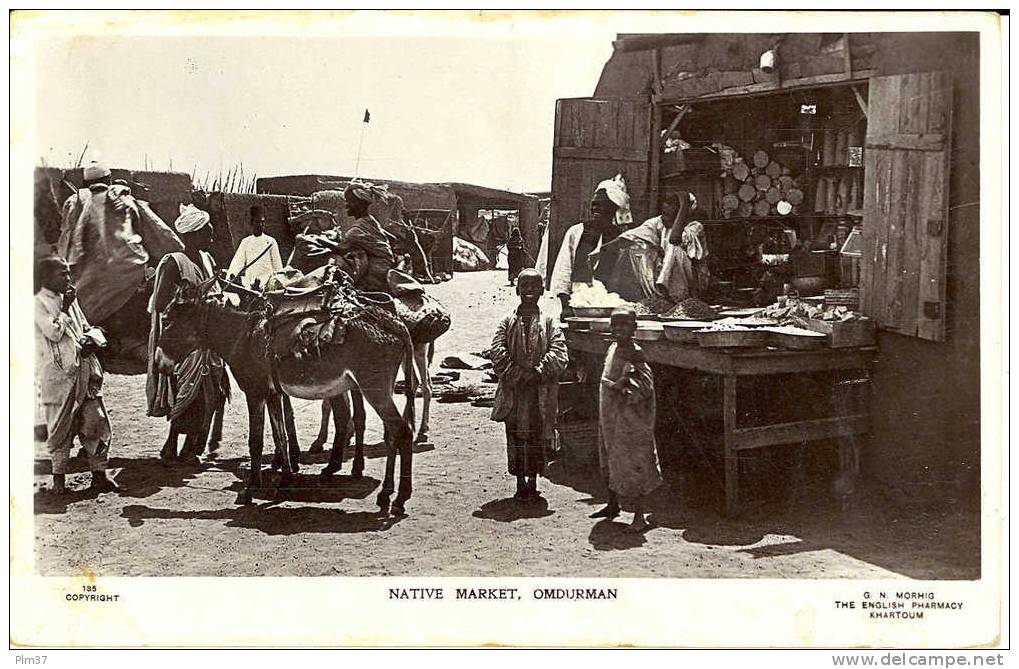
365	359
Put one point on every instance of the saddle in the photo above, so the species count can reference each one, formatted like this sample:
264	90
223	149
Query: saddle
308	312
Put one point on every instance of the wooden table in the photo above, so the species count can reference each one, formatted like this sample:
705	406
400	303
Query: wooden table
731	364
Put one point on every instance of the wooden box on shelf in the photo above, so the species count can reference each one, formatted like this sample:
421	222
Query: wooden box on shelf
843	334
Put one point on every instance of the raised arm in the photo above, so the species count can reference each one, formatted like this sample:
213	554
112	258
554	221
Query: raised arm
52	327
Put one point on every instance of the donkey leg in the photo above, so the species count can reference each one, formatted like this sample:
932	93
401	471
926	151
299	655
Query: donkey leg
318	445
397	431
341	414
402	437
256	426
421	365
291	433
277	424
357	400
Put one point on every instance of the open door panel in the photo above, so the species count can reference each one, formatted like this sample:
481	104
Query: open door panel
905	228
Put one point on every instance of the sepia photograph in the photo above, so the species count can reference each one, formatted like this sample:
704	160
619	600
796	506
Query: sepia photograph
514	309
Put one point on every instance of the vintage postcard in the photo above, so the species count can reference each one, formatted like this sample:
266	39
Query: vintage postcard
512	328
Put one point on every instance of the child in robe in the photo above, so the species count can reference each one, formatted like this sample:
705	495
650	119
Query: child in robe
627	416
528	355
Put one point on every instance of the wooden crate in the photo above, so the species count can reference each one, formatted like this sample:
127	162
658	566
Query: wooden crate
845	297
578	441
844	334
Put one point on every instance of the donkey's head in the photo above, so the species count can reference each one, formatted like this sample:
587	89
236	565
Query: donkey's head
181	329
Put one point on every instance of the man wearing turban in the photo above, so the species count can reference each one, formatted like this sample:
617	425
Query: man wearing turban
185	391
366	248
610	215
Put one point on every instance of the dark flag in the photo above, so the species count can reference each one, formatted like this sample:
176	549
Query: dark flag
367	116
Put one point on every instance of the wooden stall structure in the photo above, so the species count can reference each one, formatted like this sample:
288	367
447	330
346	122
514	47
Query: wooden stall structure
872	132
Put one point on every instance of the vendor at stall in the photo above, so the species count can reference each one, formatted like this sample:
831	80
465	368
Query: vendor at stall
688	233
648	262
610	214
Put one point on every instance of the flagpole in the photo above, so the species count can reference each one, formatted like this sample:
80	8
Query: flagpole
360	143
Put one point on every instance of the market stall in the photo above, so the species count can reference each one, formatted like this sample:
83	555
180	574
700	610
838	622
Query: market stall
847	420
795	372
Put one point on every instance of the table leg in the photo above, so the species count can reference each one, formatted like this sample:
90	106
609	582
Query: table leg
731	455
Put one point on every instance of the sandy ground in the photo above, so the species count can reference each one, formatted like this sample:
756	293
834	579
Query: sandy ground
462	520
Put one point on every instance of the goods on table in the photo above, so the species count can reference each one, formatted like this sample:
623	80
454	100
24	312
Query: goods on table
795	338
579	324
785	313
753	321
731	336
843	326
683	331
653	304
691	309
595	295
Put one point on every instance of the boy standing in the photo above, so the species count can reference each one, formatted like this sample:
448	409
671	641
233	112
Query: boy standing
627	416
528	355
69	377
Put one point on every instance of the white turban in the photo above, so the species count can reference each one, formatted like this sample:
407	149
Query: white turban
191	218
615	188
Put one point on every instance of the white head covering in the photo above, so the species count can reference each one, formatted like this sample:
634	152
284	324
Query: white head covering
95	170
615	188
191	218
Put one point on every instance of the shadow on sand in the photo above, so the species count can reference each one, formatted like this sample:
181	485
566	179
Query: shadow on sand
509	509
371	451
273	520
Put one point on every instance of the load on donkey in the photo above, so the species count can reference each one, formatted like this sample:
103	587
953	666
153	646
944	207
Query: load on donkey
315	338
366	252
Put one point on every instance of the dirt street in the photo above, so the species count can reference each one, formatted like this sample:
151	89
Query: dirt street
462	520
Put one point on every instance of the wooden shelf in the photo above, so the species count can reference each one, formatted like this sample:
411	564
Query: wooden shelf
833	168
758	219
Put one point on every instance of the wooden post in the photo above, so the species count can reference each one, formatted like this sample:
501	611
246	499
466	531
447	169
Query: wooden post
656	159
848	57
731	454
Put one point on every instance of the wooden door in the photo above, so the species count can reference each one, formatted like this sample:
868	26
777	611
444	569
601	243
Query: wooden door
905	228
595	140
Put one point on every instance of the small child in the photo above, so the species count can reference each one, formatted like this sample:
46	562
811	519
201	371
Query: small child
69	377
528	355
627	416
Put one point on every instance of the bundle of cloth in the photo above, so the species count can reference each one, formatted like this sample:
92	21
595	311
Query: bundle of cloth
315	310
424	316
467	257
108	237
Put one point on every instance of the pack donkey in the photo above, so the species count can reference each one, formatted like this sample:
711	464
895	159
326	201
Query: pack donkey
317	354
